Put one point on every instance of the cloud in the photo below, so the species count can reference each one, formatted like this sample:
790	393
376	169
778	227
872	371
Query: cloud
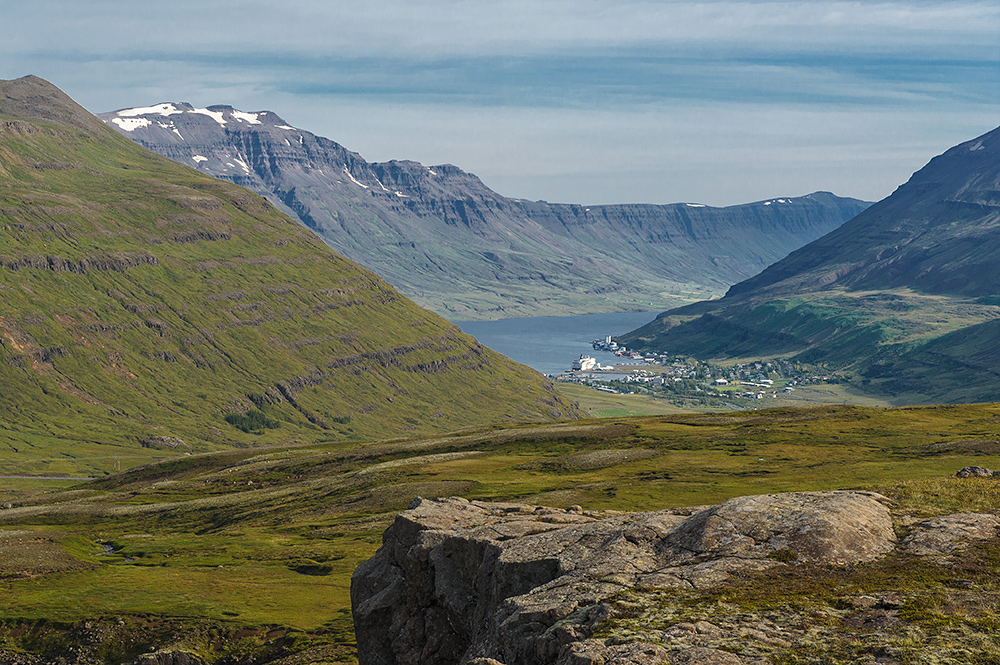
583	100
719	154
435	28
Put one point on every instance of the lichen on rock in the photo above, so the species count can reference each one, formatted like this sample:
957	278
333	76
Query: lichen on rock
459	581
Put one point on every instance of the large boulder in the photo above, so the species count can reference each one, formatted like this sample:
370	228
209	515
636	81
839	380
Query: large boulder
457	581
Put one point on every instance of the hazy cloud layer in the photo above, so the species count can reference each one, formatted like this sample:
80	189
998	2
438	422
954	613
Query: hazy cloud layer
590	101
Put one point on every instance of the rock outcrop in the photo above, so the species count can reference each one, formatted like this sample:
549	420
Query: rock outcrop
164	657
945	535
976	472
117	262
458	582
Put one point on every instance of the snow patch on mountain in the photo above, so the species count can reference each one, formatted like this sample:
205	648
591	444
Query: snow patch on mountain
131	124
218	116
165	108
252	118
242	163
353	179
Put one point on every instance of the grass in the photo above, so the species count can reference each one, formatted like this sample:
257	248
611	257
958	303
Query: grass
251	594
899	607
600	404
464	299
267	538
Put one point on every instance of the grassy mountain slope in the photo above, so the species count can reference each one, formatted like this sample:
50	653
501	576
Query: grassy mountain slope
248	553
448	241
144	302
905	294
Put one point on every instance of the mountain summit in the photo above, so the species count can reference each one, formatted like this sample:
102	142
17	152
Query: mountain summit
935	234
905	294
146	307
456	246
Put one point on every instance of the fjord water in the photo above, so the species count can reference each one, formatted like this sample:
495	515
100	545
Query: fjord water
550	344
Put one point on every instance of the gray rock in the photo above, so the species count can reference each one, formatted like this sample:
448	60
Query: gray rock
167	658
880	620
168	442
974	472
16	658
595	652
704	656
817	527
941	536
456	581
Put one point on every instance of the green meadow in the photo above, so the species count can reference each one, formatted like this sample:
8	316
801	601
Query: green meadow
260	543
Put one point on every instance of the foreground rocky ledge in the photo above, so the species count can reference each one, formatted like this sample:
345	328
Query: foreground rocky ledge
459	582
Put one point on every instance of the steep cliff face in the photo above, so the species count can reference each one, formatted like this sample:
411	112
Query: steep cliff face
447	240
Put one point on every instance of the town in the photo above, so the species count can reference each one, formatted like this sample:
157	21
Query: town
689	382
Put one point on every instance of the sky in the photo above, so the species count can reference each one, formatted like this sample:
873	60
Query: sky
576	101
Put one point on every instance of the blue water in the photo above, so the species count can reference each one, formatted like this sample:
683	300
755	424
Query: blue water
550	344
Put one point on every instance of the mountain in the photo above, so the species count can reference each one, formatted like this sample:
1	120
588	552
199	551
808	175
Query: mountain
452	244
149	309
906	294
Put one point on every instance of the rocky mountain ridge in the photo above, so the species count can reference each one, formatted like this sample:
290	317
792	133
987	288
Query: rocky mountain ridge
451	243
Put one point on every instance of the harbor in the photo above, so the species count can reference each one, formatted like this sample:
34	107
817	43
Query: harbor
549	344
581	349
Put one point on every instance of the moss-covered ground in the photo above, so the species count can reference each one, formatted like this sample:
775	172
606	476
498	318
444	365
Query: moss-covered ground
260	542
